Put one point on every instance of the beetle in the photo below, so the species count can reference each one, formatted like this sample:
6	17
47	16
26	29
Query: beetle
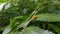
35	17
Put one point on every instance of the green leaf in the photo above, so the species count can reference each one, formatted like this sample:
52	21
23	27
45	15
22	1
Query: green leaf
55	28
7	30
14	32
49	17
23	24
4	1
16	20
34	30
13	23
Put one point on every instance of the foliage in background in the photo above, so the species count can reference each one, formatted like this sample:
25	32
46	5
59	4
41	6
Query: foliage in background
19	17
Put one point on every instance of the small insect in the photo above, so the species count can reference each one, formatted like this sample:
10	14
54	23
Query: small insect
34	17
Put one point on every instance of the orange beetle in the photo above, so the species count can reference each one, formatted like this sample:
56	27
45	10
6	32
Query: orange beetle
34	17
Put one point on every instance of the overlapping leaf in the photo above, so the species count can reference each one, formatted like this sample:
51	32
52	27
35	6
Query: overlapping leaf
49	17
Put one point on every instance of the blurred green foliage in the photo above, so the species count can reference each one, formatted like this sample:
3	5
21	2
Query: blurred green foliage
18	17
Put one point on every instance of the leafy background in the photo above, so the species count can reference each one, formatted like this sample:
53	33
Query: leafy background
17	17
